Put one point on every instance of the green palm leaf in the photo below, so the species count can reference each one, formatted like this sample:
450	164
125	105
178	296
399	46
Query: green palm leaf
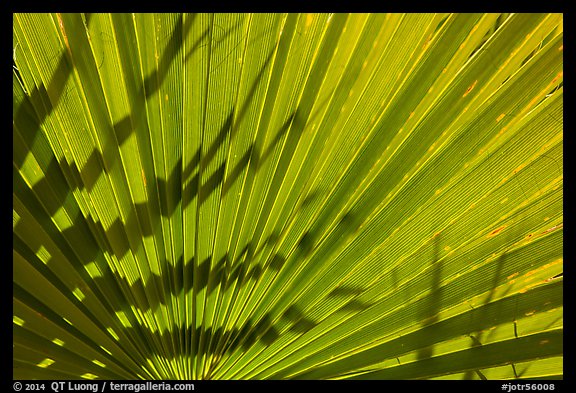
323	196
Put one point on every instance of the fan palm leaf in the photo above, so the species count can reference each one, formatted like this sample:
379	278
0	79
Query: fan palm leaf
287	196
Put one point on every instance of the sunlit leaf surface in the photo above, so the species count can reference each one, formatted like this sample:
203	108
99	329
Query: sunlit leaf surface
315	196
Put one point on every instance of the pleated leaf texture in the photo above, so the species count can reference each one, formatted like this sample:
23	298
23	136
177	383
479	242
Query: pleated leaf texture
287	196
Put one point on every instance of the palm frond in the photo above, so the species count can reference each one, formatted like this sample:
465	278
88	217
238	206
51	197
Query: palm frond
288	196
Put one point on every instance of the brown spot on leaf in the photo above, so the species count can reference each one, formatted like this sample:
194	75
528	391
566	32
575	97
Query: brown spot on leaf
469	89
560	75
497	231
61	25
